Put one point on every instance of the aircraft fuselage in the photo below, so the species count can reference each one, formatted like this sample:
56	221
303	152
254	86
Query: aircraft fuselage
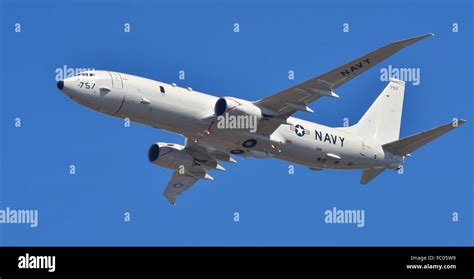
185	111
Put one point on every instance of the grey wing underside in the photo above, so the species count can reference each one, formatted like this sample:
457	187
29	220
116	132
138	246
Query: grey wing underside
205	159
283	104
178	184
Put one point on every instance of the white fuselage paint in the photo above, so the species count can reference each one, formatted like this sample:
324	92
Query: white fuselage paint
180	110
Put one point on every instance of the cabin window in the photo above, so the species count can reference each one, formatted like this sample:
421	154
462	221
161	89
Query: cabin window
162	89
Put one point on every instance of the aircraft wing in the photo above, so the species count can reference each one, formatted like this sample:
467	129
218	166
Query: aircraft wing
205	158
177	185
283	104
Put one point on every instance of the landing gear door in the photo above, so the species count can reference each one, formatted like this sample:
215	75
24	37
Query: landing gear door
116	80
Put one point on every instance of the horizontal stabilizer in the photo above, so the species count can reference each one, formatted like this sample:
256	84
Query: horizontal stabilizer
369	174
409	144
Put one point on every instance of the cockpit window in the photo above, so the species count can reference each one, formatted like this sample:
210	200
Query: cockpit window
85	74
162	89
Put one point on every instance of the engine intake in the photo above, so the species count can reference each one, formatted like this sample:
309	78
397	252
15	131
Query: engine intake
220	107
153	152
169	155
235	106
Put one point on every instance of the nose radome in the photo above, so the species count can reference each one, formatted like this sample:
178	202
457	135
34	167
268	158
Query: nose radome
60	84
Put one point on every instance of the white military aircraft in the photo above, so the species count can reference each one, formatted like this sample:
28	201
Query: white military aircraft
372	145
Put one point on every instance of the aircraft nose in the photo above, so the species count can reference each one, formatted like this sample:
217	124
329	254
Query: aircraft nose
60	84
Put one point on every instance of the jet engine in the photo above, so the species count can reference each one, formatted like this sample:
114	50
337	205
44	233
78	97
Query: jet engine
169	155
235	106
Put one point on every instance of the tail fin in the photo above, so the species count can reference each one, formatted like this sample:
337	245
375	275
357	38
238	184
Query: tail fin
382	121
409	144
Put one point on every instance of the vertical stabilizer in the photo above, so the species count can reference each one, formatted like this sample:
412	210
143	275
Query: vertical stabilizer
382	120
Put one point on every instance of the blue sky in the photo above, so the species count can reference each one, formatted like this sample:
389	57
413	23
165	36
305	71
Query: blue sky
113	175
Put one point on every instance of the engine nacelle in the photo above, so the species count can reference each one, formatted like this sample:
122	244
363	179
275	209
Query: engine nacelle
235	106
169	155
